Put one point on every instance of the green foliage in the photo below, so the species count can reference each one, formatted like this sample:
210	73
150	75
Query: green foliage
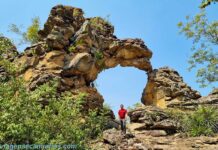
96	123
32	31
206	3
73	47
99	59
5	45
98	55
99	22
204	35
9	67
24	120
138	104
30	35
77	12
107	20
201	122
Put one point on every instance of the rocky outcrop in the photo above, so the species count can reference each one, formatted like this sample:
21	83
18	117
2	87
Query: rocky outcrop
211	99
74	50
166	88
151	120
114	140
151	128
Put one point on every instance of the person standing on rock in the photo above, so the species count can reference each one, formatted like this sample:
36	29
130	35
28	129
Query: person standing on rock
122	116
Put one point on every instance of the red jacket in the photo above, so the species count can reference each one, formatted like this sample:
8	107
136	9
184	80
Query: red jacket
122	113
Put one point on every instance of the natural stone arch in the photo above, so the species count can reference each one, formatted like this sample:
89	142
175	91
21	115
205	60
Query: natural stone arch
75	50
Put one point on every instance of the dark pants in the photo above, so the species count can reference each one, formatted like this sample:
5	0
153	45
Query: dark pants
123	125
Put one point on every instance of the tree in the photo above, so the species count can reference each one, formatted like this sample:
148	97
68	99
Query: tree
206	3
29	36
204	34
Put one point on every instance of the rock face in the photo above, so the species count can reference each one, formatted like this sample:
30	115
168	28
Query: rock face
211	99
153	128
113	140
165	88
74	50
151	120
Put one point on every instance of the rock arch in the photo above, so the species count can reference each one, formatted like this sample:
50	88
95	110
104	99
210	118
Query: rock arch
75	50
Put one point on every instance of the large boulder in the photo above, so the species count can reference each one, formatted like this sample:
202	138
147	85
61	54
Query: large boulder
152	120
166	88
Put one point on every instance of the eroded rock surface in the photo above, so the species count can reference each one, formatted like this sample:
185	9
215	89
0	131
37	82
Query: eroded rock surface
113	140
166	88
211	99
151	120
74	50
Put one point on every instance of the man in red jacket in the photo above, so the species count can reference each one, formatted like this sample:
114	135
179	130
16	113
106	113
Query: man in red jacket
122	116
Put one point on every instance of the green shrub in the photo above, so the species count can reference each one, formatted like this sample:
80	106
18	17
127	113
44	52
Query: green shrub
23	120
201	122
138	104
72	48
99	23
98	55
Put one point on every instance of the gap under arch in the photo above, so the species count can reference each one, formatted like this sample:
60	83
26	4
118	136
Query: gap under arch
121	85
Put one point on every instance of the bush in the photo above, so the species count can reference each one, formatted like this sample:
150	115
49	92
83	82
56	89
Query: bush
136	105
201	122
29	36
23	120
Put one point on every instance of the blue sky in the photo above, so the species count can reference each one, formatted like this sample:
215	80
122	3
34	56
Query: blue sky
154	21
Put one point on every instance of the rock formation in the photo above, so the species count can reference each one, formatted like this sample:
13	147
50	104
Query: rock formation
166	88
211	99
152	121
153	128
74	50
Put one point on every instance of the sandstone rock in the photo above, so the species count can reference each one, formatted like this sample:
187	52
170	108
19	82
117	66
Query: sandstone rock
80	64
153	133
75	50
152	118
92	100
63	17
116	141
211	99
53	60
165	88
136	126
112	136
